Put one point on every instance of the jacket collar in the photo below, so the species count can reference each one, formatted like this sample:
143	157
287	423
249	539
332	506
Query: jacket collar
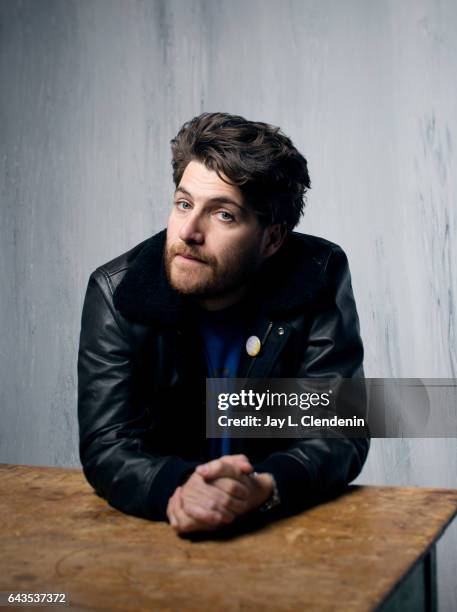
288	281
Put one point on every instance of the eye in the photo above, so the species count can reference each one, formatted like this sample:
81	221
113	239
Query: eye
225	216
182	205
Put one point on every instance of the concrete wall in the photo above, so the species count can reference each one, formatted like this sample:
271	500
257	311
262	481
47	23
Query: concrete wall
91	93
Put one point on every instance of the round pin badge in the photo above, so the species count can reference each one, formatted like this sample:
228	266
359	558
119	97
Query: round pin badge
253	346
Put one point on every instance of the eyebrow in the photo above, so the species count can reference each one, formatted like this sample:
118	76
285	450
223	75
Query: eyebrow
216	199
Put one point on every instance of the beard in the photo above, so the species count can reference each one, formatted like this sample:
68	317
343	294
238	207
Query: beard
212	278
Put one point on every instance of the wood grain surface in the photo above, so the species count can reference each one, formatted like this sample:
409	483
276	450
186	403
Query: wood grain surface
57	536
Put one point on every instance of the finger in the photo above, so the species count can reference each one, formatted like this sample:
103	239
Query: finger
206	513
233	487
185	523
231	504
196	493
238	457
211	499
171	511
200	514
178	519
242	484
219	468
241	460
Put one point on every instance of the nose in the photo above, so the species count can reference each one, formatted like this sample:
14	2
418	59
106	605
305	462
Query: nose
192	230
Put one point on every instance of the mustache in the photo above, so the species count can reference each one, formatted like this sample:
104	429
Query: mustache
186	252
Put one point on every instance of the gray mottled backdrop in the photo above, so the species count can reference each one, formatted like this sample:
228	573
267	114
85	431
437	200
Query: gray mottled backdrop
91	93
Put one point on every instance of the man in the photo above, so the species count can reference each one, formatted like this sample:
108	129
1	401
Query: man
181	306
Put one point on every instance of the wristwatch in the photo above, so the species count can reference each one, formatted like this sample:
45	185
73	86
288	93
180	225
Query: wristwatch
274	499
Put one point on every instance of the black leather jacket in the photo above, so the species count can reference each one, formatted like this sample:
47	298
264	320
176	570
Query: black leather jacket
141	374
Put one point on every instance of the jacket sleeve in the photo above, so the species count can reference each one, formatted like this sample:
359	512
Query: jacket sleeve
311	468
116	460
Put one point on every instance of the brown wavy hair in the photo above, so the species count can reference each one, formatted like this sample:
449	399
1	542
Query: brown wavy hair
257	157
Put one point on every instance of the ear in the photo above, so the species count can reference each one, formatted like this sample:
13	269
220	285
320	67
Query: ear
273	238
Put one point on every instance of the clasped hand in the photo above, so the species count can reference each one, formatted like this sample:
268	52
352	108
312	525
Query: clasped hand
216	494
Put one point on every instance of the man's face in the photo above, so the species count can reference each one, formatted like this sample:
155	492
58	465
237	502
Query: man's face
214	243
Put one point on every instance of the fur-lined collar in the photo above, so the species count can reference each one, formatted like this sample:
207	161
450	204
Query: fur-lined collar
288	281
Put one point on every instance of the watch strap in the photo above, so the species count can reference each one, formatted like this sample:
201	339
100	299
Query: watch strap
274	499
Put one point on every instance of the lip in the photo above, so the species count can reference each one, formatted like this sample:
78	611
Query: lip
194	259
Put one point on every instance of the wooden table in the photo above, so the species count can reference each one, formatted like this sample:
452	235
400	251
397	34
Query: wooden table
373	548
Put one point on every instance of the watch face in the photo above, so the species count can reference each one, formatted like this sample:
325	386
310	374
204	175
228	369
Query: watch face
272	502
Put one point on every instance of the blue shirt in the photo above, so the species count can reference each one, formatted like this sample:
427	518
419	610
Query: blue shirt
223	333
